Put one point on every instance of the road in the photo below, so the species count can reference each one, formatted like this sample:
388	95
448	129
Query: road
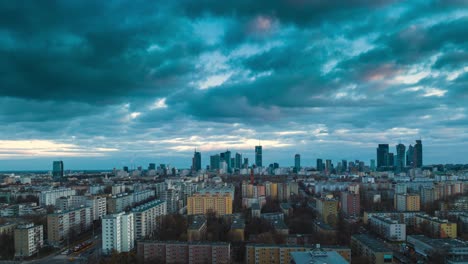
80	257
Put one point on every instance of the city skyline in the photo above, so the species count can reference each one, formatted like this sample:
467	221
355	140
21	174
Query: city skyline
103	85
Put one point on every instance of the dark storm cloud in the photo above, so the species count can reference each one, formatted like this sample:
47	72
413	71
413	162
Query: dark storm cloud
89	51
295	11
158	78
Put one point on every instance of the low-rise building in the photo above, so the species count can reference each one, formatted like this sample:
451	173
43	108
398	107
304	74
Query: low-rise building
280	227
388	228
237	229
374	250
184	252
317	256
457	250
197	229
28	239
280	254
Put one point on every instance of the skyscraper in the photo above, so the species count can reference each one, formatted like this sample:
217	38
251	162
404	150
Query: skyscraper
410	156
238	161
328	165
246	163
418	154
344	165
319	165
400	160
196	161
258	156
382	155
227	159
214	162
391	159
152	166
57	169
297	162
372	164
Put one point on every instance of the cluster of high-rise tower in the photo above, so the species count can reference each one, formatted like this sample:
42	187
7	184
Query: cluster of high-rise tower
413	157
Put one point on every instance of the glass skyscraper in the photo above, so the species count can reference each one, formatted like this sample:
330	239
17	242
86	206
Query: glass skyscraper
400	160
57	169
258	156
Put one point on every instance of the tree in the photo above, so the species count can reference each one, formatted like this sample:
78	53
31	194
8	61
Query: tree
7	246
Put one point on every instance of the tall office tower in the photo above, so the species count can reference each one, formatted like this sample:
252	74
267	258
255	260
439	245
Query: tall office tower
319	165
418	154
214	162
400	160
258	156
246	163
152	166
391	159
125	168
410	156
196	161
233	164
227	159
328	165
382	156
238	161
344	165
118	233
297	162
372	164
57	169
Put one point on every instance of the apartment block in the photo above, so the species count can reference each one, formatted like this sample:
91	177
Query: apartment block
374	250
439	228
28	239
49	197
118	233
407	202
327	208
220	203
147	218
8	228
118	203
184	252
350	204
61	225
281	254
388	228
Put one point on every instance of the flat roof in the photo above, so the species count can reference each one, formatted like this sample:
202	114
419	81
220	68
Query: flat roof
317	257
371	242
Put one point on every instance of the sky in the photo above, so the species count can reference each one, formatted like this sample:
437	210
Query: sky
103	84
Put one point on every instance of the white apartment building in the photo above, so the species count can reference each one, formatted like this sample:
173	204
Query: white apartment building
118	203
142	195
388	228
50	196
118	232
147	217
98	204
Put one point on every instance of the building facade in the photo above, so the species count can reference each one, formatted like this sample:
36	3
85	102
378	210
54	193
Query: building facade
28	239
118	232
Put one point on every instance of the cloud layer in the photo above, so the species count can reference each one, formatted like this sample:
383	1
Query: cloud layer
102	84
